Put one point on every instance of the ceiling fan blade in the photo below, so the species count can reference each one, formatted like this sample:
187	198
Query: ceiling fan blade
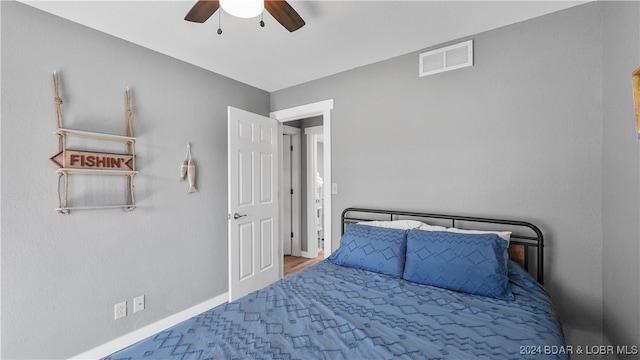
284	14
202	10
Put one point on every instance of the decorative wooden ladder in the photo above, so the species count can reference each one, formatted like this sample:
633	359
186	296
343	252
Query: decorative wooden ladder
66	158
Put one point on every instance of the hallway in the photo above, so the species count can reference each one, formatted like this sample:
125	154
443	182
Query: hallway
293	264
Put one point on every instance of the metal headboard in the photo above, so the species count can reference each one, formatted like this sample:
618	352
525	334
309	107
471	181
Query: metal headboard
532	238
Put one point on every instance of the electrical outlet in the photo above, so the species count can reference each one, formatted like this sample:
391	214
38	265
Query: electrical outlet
120	310
138	304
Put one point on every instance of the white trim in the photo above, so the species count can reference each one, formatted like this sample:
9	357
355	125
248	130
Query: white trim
327	180
322	108
308	255
295	185
312	168
302	111
286	196
149	330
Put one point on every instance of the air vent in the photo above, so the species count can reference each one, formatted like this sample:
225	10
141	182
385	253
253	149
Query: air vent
447	58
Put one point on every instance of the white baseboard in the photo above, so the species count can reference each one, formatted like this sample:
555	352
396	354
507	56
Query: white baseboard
310	255
149	330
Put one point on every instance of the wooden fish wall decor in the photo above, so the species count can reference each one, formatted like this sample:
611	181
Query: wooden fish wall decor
636	96
188	171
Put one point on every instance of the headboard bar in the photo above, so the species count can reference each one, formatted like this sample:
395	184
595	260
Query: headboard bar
536	241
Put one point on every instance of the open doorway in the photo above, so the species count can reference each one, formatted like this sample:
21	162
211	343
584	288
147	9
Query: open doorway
291	178
320	110
303	192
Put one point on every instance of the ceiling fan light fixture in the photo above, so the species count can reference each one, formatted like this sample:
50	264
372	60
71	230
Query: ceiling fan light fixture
243	8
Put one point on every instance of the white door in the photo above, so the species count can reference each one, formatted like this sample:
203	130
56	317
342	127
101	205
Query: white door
254	261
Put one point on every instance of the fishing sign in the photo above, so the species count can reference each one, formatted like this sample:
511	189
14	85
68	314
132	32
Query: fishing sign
74	159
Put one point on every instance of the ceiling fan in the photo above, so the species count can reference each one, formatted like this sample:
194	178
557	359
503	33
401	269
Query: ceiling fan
279	9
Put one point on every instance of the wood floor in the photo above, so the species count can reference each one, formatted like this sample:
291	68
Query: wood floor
293	264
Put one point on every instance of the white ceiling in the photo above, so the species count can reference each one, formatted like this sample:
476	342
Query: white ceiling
338	36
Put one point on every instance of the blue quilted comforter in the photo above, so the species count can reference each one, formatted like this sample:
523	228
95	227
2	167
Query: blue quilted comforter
333	312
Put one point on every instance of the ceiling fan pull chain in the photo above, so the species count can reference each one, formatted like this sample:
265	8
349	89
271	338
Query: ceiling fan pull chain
219	23
262	18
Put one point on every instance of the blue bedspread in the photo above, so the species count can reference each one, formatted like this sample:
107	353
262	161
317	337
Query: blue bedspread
334	312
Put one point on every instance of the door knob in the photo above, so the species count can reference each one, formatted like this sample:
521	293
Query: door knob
238	216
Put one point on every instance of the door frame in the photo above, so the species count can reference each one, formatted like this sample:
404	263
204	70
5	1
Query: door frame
296	203
321	108
312	135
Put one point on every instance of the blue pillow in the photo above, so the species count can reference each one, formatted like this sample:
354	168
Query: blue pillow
471	263
372	248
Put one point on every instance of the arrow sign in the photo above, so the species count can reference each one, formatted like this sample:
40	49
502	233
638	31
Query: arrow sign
92	160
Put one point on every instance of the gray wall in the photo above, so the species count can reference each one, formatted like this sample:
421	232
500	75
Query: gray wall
62	275
517	135
620	175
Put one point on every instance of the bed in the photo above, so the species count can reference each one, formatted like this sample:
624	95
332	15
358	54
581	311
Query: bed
351	307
